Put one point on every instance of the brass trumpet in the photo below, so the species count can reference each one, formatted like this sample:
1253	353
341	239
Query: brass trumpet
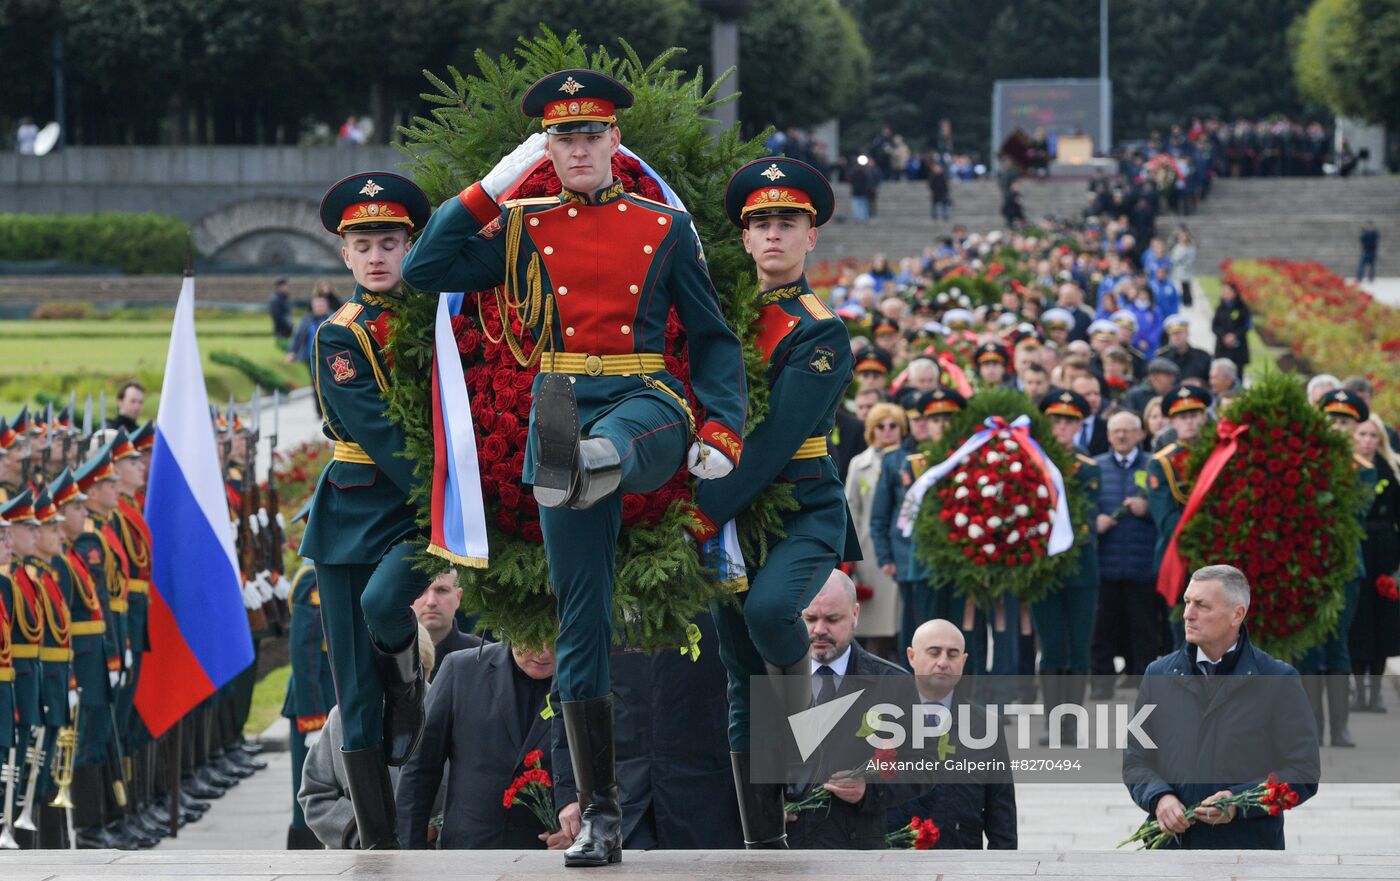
65	751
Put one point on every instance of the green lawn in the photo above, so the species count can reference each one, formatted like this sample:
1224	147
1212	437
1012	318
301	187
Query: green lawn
1260	354
268	697
89	355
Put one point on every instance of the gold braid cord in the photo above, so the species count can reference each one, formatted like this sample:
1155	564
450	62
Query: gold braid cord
528	306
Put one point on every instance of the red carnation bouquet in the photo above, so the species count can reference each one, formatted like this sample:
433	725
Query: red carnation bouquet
500	387
879	766
533	789
917	835
1272	796
1385	586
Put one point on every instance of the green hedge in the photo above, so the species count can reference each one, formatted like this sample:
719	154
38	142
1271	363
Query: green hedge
134	243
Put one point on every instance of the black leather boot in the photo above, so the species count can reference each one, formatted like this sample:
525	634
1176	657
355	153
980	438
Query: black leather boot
1338	709
401	674
573	471
589	726
760	807
372	795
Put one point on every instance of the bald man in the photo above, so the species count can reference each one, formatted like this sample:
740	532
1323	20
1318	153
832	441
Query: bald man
971	810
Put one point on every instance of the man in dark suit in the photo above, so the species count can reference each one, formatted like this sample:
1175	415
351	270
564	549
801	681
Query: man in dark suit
855	818
972	807
1093	436
436	609
484	717
1227	715
672	751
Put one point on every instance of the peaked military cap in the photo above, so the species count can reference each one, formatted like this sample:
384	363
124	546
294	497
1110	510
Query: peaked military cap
1125	318
1175	320
1057	318
98	468
64	488
992	353
943	400
374	201
883	325
1103	327
20	509
144	439
958	319
20	425
1185	398
7	437
1340	402
872	360
45	511
1062	402
778	185
122	448
578	100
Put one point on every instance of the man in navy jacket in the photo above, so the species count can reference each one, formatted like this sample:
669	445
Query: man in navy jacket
1226	715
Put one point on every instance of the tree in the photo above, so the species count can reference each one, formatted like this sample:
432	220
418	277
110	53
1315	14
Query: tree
650	27
801	62
1344	56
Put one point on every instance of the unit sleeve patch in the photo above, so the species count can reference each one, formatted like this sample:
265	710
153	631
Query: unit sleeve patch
342	366
823	359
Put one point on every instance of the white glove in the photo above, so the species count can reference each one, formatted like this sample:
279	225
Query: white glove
707	463
281	522
72	700
264	586
262	517
126	659
509	171
312	737
251	600
282	589
113	677
253	525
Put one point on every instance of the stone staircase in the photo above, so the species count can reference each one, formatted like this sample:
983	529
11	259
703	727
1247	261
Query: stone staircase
1296	218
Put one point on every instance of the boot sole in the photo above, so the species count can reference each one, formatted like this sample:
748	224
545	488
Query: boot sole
557	433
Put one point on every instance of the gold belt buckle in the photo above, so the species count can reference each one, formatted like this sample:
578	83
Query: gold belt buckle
593	365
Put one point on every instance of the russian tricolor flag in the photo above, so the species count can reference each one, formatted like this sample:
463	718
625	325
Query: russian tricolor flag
198	627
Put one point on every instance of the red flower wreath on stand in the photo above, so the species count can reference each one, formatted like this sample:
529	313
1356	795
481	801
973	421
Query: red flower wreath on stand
500	387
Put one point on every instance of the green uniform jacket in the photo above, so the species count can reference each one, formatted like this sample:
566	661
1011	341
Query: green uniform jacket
7	673
361	508
310	689
89	627
1167	493
93	551
615	270
809	369
28	707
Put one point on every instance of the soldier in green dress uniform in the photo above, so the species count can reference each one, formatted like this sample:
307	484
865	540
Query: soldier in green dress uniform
7	667
779	204
310	691
361	525
1168	483
26	634
1345	410
599	271
1064	619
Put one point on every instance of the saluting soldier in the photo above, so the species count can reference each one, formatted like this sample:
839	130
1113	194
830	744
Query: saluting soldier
779	204
1064	619
598	271
361	524
310	691
1168	482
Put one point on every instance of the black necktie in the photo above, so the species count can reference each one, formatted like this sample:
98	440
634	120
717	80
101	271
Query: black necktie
827	689
1208	667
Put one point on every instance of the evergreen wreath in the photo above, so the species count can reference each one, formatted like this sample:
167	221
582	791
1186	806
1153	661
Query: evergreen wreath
1000	548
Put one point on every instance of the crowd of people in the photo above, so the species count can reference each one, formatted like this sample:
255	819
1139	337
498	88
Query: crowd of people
81	769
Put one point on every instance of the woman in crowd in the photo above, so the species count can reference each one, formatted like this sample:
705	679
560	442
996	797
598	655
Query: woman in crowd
885	428
1184	263
1231	326
1154	421
1375	631
1143	305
